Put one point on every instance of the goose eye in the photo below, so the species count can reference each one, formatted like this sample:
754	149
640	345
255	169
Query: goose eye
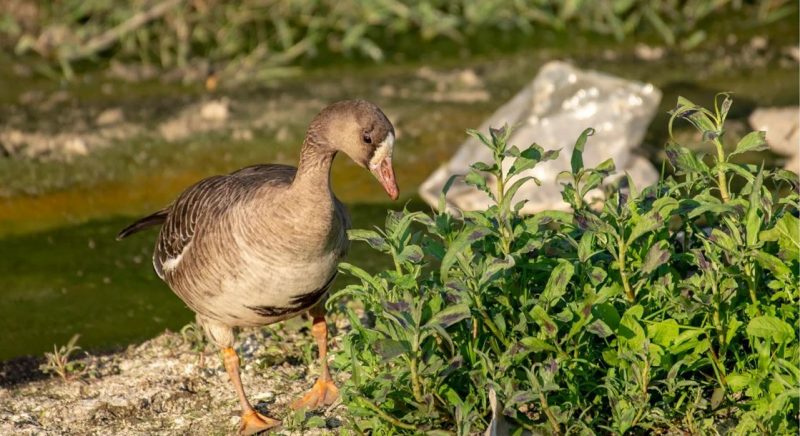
367	138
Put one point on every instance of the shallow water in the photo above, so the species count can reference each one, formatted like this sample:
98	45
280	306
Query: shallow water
62	272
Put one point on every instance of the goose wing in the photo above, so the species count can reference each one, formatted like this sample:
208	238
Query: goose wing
202	204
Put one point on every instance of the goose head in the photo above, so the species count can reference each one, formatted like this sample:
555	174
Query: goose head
362	131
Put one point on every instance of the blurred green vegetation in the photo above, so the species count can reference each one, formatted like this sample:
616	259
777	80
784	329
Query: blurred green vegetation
258	36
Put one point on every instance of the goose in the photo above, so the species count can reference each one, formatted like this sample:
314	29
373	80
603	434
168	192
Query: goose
262	244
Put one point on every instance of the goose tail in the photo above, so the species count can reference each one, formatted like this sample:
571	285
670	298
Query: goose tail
154	219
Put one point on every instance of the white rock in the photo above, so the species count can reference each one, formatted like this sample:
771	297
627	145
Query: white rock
552	111
782	126
793	164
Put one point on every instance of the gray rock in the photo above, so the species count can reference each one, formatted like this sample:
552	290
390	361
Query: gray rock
552	111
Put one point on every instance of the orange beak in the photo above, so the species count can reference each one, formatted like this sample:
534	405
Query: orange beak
385	174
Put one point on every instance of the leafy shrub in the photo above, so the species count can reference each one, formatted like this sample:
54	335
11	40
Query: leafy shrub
669	307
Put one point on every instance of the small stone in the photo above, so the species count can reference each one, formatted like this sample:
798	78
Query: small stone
387	91
243	134
470	79
216	110
75	146
793	52
648	53
264	396
283	134
759	43
110	116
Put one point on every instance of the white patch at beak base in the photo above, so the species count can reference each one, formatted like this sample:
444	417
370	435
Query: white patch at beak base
382	152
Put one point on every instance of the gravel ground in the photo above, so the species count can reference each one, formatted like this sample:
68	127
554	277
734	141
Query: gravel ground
165	387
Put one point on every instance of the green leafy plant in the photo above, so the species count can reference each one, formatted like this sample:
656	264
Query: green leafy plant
668	307
59	361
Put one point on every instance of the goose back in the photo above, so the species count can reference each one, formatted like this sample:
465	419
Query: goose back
248	249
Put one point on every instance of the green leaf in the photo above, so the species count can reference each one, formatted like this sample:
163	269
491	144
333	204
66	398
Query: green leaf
697	116
464	240
738	382
685	160
482	166
316	421
545	322
724	241
475	179
772	263
664	332
753	141
607	313
770	327
657	255
450	315
537	345
630	331
753	220
577	152
371	237
526	159
388	349
445	189
411	253
600	329
645	224
557	283
585	247
787	233
508	196
360	273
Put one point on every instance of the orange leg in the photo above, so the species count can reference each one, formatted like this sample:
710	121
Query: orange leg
324	392
252	421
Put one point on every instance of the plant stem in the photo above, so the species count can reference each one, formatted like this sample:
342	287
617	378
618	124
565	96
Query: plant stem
719	370
415	384
386	417
751	277
623	250
543	399
646	396
721	179
717	323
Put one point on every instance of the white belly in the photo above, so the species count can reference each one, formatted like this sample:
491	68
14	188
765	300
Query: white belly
258	294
